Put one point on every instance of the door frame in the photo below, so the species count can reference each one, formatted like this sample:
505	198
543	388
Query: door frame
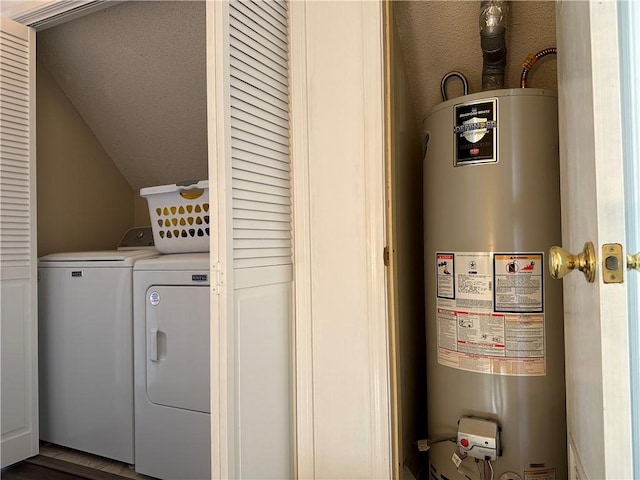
42	14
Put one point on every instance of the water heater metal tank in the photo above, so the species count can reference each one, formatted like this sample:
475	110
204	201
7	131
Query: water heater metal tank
494	315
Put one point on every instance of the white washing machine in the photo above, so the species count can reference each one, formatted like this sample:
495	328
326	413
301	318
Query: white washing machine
85	316
171	357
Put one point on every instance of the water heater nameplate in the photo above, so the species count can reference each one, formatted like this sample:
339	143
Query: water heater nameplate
475	132
490	312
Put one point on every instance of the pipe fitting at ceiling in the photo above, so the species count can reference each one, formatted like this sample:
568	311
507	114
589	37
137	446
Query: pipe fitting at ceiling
493	21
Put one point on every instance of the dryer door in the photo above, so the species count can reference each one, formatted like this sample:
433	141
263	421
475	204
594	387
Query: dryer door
177	325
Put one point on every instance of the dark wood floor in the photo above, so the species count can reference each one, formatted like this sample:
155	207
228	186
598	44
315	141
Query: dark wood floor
46	468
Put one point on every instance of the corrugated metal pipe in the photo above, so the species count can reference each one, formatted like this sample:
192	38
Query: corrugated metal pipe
493	21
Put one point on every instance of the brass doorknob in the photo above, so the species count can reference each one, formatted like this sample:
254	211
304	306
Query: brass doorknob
562	262
633	261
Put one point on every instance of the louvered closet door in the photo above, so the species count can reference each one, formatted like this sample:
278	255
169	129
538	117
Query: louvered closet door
19	414
260	134
262	263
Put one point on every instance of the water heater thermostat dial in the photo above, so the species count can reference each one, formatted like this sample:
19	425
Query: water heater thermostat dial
478	438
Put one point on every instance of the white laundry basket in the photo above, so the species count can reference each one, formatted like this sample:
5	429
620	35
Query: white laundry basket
179	216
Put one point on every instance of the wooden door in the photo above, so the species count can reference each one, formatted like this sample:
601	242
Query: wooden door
596	318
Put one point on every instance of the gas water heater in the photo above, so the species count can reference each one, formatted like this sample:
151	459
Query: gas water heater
495	358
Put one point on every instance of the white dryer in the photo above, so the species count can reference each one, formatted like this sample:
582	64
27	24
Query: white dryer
171	358
85	312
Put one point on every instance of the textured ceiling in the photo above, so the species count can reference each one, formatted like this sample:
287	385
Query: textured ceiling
136	73
440	36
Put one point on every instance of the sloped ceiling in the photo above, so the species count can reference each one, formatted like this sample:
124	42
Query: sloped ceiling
136	73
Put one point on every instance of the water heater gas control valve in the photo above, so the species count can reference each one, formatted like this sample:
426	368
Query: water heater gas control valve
478	438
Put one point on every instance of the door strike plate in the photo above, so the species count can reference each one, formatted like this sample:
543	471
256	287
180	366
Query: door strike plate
612	263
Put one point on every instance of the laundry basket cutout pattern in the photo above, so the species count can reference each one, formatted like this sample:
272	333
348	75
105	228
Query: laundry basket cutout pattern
183	222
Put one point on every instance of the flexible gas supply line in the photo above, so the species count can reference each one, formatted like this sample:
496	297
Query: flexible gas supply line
531	60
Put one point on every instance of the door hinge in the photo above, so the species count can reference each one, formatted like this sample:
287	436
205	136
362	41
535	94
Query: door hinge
218	279
385	256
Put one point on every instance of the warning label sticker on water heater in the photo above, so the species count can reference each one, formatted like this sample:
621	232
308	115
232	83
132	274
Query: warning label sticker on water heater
543	474
490	312
475	132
